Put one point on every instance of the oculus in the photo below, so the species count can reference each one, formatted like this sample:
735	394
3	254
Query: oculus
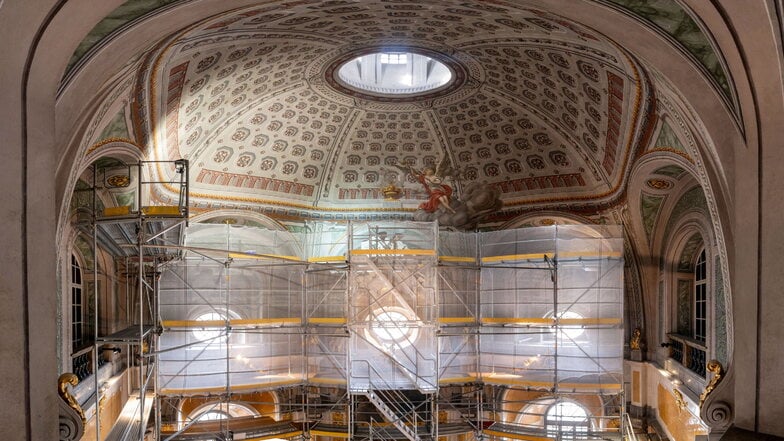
395	74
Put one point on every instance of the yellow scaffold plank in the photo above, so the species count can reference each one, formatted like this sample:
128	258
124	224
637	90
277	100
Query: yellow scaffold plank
265	321
161	210
517	435
456	319
327	259
551	321
263	256
319	380
518	320
327	320
560	255
330	433
516	257
234	322
460	259
122	210
394	252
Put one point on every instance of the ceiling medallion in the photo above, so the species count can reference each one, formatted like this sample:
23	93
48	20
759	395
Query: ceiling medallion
118	181
395	74
658	184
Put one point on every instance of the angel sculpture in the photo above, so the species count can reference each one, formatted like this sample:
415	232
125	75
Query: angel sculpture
438	192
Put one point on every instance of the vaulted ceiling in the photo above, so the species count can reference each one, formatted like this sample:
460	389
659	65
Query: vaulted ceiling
549	113
544	110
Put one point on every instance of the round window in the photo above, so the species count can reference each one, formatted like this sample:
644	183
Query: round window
569	327
213	323
393	326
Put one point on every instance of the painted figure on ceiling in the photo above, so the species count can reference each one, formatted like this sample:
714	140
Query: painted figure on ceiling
443	205
438	192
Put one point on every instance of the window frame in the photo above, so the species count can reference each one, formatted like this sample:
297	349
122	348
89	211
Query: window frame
699	315
551	421
79	340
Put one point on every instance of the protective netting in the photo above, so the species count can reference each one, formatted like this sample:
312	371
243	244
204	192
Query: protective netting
392	306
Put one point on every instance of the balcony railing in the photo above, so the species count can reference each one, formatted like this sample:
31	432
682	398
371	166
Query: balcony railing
688	352
82	362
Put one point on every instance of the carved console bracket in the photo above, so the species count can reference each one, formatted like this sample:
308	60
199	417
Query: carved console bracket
715	401
72	420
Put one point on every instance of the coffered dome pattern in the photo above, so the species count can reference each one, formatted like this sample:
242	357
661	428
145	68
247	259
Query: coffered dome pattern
541	109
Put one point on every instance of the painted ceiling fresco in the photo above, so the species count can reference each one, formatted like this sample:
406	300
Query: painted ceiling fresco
675	21
667	15
124	14
544	111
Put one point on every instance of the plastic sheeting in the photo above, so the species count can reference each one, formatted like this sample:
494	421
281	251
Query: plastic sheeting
395	305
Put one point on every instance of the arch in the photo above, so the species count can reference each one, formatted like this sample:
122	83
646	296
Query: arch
261	404
41	82
529	409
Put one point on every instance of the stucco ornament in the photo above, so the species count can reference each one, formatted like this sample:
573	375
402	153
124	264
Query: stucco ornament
716	402
716	369
636	341
72	419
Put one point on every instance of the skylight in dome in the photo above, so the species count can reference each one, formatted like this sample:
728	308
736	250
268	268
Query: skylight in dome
394	73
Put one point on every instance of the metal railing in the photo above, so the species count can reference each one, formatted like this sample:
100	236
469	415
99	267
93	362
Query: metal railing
628	428
688	352
395	406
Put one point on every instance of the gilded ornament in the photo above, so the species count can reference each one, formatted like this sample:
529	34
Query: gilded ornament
718	373
659	184
679	401
119	181
62	390
392	192
634	343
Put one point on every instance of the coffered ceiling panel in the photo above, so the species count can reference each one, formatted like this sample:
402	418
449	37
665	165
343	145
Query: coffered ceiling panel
541	109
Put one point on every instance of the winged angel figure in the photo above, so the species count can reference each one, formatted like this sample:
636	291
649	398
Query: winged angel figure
477	200
438	192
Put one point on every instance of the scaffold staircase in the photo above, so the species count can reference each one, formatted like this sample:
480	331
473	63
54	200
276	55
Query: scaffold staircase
404	419
404	354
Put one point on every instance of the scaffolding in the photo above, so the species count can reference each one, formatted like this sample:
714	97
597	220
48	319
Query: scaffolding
140	234
413	332
380	330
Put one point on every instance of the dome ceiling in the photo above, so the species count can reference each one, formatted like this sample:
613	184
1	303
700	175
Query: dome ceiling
541	109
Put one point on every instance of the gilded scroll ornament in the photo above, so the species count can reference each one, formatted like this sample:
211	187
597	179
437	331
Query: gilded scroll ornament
714	367
62	389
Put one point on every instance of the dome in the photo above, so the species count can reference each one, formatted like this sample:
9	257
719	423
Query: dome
316	123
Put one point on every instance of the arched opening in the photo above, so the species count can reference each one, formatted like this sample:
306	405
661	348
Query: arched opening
567	420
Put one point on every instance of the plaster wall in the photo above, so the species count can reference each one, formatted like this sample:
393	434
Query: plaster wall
750	161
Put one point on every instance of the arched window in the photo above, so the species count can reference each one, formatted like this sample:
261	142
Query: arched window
700	316
566	420
79	337
216	411
213	415
688	336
